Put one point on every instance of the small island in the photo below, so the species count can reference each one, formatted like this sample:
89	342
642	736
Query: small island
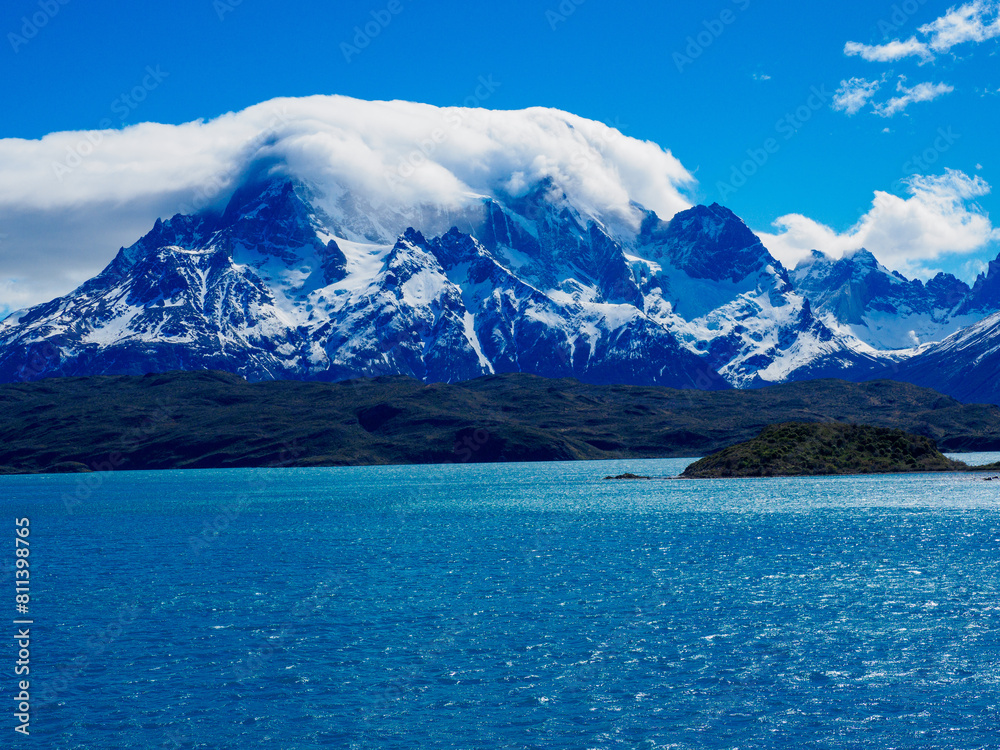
827	448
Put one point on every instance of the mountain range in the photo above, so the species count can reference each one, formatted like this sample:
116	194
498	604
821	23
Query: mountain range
294	280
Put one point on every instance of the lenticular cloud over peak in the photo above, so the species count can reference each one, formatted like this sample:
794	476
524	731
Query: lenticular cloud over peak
74	197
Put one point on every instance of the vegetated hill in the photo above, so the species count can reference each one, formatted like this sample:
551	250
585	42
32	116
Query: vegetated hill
798	449
218	420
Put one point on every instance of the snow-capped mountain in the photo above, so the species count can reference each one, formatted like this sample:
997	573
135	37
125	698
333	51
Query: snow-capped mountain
965	365
712	282
332	238
881	307
287	283
272	288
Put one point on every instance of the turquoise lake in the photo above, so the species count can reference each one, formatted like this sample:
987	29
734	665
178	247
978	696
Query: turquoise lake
507	606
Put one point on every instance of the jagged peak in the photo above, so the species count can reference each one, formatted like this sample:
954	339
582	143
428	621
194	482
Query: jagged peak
711	242
722	211
863	256
941	278
863	261
270	192
806	315
412	237
716	223
816	260
714	210
992	271
455	237
819	256
985	292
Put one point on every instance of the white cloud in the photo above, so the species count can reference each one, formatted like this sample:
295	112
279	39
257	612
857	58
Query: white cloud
761	77
977	21
972	268
939	217
854	94
922	92
894	50
64	215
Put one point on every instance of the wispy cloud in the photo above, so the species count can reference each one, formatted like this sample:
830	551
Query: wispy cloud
972	268
977	21
922	92
761	77
894	50
939	217
854	94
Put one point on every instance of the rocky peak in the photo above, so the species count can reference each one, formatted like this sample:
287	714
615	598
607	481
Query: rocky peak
947	291
985	293
710	242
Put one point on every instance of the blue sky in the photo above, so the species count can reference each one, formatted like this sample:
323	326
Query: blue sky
717	83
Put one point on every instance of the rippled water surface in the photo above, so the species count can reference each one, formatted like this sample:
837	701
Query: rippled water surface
512	606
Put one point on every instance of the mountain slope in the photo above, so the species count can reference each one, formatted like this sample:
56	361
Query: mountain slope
326	238
984	297
966	365
277	286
